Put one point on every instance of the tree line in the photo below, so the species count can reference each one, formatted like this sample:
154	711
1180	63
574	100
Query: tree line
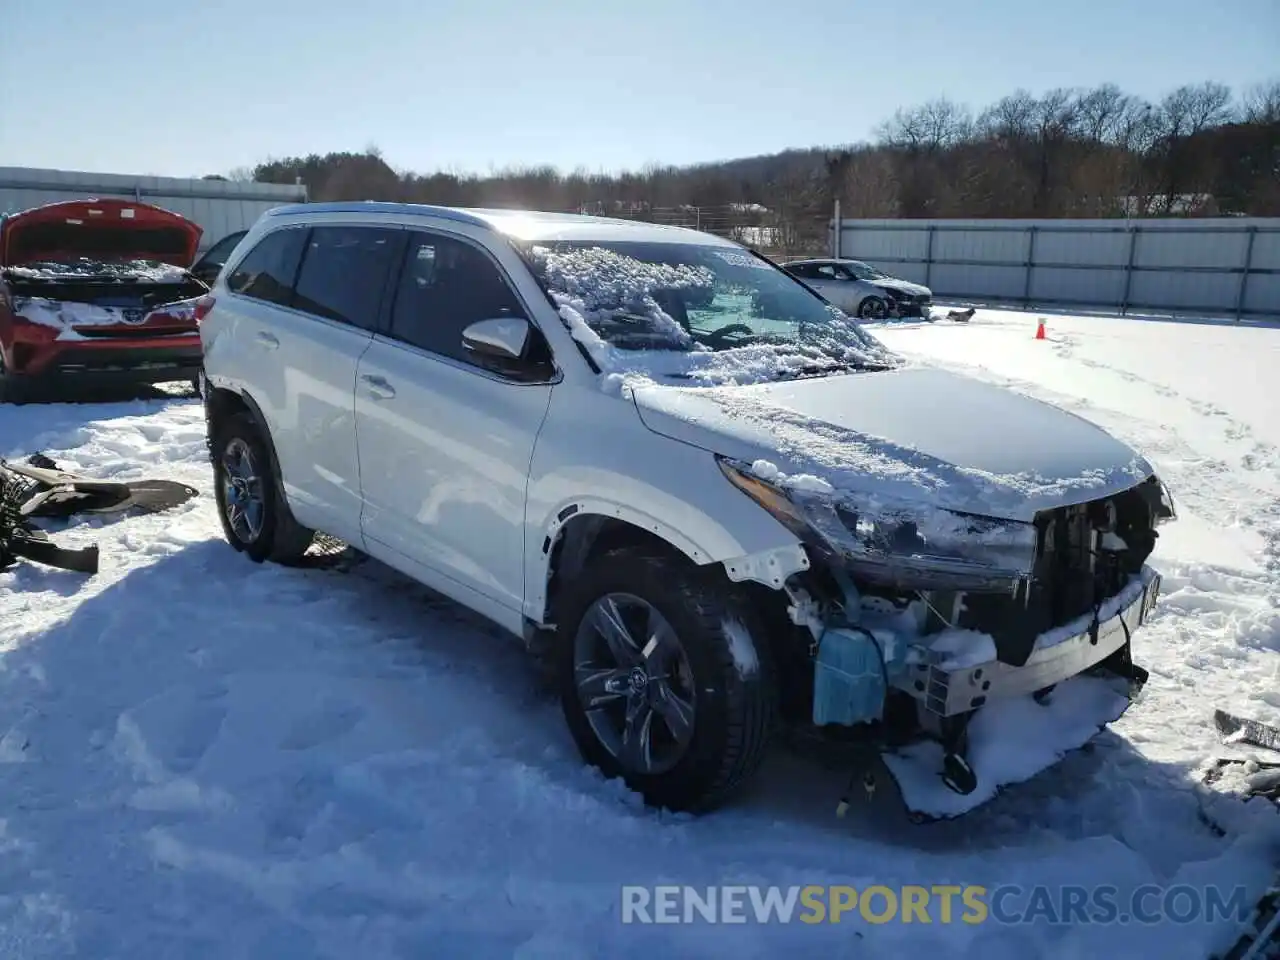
1198	151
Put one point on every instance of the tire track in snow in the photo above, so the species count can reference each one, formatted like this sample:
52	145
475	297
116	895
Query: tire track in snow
1263	455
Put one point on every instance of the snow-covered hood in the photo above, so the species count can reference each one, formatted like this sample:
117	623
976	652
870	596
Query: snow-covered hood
914	434
902	286
109	229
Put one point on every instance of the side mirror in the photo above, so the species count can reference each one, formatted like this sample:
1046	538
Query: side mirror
502	338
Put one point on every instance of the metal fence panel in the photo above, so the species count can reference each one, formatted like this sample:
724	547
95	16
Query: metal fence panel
219	206
1213	267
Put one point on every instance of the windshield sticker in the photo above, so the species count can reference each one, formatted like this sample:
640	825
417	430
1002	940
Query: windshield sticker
741	260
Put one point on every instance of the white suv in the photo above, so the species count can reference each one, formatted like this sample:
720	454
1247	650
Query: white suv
706	498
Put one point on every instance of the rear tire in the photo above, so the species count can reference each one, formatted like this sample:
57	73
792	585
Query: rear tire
705	647
255	518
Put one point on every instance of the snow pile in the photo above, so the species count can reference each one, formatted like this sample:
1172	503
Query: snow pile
1010	741
613	295
800	482
1127	595
86	268
65	316
957	649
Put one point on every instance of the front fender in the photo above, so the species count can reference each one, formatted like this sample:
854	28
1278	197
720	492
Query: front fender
600	460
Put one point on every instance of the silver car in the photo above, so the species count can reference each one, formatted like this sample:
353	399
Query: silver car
861	290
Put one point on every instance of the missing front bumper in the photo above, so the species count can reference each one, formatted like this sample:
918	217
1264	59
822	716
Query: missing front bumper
949	691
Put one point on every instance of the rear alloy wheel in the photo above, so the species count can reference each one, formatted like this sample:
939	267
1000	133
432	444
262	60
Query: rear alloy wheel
661	679
873	308
255	518
242	485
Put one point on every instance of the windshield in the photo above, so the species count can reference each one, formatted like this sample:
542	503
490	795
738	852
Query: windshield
691	297
862	271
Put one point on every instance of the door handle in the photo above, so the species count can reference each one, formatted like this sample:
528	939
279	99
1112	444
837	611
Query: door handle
267	340
379	387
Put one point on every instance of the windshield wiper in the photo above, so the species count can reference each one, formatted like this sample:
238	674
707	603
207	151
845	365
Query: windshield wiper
840	366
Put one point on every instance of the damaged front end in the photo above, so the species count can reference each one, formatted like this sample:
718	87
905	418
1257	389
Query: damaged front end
971	652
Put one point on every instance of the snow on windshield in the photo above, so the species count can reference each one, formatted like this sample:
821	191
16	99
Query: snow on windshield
699	314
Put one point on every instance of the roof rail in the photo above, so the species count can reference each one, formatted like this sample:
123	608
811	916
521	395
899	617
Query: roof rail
380	206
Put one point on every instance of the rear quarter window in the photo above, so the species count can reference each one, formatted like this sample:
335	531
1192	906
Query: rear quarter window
267	271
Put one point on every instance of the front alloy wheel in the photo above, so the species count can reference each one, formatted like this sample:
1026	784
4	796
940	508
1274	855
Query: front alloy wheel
664	680
873	308
635	683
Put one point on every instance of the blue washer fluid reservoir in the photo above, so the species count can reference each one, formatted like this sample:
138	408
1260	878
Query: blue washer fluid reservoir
849	678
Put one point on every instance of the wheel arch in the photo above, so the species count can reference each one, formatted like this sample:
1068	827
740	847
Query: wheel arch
226	402
581	531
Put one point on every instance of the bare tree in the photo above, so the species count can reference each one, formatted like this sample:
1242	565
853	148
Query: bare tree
1185	170
1261	103
870	188
931	127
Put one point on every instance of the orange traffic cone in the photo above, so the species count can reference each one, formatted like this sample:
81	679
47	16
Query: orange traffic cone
1040	330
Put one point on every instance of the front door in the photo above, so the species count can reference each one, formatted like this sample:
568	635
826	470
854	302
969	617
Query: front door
445	442
836	285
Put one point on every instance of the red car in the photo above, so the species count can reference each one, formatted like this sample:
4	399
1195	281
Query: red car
98	290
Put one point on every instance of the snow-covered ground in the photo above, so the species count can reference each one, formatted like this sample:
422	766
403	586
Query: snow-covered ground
200	757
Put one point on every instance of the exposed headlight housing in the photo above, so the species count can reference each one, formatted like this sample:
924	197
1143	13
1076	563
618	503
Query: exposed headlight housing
902	545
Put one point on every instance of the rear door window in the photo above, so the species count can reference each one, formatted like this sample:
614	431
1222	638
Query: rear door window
344	273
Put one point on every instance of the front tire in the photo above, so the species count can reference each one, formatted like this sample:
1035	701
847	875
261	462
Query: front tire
663	679
873	308
255	518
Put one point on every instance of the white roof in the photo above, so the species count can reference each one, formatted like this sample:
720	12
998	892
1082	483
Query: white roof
532	225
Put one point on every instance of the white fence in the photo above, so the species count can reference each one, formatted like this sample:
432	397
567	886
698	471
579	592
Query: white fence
1208	267
219	206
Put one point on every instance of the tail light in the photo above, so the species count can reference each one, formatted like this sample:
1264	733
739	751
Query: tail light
183	311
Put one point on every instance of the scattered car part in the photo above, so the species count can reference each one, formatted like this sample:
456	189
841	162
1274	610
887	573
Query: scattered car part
39	488
1260	939
1237	729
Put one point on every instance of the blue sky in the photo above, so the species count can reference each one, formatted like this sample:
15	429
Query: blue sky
173	88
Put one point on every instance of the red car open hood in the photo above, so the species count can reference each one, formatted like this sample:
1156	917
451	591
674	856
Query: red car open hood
98	229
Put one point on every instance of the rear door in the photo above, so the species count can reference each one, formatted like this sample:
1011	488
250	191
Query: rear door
445	441
306	344
818	276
